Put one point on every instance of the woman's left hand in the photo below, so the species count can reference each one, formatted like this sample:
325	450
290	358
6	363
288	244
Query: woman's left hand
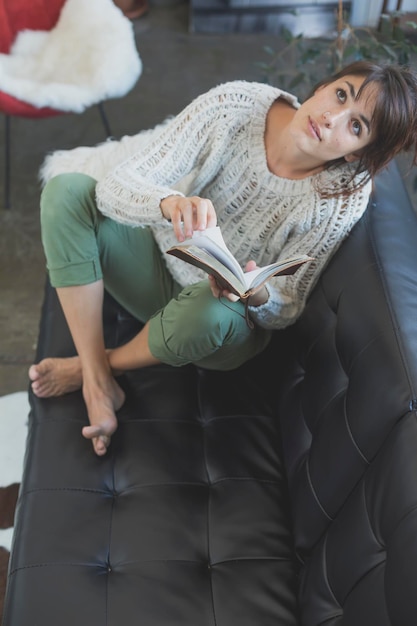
258	298
219	291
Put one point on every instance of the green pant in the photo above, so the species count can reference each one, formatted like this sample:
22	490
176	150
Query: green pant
187	325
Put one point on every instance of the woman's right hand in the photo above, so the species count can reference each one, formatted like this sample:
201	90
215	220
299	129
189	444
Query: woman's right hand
188	214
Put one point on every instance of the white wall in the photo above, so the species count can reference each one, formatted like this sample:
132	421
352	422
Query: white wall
408	5
367	13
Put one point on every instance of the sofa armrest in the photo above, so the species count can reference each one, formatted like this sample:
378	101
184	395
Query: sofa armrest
348	420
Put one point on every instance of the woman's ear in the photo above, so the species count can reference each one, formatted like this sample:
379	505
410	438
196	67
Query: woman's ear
353	156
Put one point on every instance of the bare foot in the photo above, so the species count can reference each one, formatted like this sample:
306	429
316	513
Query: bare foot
58	376
102	405
55	377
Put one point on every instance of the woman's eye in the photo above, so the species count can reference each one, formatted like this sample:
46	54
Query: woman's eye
341	95
357	127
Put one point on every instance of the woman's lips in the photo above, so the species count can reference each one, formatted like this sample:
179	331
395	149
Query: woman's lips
314	128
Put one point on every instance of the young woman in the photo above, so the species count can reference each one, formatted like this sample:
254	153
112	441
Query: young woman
280	180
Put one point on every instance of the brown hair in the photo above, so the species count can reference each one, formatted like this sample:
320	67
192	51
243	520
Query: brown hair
394	120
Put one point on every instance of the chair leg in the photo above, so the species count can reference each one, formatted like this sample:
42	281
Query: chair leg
104	119
7	161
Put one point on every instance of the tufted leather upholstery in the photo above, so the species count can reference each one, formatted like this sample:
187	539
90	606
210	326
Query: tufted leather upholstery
349	425
188	509
283	493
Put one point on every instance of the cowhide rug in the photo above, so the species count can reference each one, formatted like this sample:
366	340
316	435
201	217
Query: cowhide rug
14	410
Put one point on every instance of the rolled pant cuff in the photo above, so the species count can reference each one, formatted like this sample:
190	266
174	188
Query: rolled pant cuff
76	274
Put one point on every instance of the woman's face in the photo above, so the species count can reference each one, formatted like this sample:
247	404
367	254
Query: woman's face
332	123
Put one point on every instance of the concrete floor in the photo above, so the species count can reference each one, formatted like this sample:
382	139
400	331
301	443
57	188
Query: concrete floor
177	66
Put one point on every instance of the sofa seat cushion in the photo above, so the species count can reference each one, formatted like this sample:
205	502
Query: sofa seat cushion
184	521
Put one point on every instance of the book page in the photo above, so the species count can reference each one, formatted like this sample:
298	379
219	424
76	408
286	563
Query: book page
259	275
212	241
204	260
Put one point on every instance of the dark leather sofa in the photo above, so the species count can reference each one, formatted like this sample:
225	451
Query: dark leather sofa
281	494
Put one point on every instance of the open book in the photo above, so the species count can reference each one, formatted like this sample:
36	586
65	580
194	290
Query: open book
208	251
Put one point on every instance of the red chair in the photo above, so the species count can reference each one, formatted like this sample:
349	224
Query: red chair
17	16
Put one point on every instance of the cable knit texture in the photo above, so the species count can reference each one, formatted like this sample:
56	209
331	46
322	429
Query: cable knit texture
217	145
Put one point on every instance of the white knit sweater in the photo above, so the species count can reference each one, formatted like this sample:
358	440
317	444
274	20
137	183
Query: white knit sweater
219	139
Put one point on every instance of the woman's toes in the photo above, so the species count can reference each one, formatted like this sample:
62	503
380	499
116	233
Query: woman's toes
101	444
33	373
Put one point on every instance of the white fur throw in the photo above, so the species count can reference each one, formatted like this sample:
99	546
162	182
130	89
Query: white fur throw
90	55
98	160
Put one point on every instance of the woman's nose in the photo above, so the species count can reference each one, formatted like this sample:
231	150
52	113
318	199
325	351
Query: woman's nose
331	118
327	118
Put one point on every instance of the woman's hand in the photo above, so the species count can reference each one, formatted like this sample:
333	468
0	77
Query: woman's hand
218	291
258	298
188	214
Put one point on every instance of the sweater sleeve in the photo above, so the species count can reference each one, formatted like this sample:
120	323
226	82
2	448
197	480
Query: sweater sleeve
288	294
191	141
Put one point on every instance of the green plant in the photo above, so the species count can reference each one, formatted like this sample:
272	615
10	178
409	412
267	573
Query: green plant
301	61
